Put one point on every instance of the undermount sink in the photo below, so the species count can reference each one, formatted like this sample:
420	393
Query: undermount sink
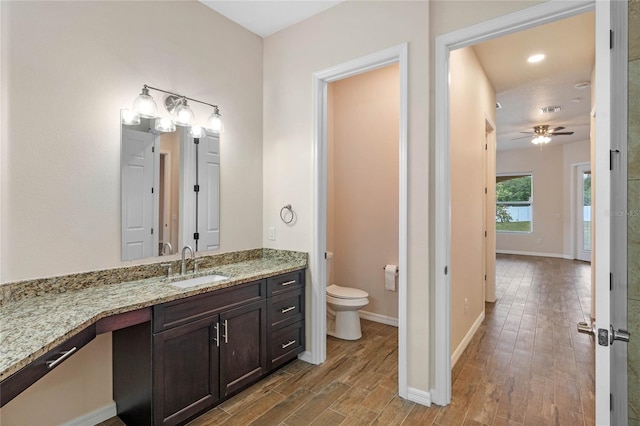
192	282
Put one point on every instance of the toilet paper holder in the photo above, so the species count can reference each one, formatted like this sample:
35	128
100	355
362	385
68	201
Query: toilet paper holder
397	269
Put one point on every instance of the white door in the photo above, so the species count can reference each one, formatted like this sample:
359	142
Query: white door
137	175
583	212
209	194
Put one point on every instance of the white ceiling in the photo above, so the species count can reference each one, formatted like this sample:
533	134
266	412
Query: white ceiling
523	88
267	17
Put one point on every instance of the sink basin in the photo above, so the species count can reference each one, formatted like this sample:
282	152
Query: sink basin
192	282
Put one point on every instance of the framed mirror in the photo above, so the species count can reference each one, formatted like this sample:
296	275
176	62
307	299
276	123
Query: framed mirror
170	190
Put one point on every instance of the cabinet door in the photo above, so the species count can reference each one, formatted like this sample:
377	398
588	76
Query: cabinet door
185	371
243	355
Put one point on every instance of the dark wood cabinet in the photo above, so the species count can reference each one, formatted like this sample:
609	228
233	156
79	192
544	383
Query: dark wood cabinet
185	371
243	346
200	350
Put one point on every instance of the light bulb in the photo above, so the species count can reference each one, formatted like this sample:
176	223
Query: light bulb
164	125
129	117
184	114
144	105
196	131
214	123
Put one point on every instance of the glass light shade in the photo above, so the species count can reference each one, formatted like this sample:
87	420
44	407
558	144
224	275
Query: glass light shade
144	105
164	125
184	115
196	132
541	139
129	117
214	123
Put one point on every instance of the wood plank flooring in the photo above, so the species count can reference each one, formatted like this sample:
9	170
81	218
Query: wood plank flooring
526	365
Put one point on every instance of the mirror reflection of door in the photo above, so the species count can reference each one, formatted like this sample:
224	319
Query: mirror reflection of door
583	222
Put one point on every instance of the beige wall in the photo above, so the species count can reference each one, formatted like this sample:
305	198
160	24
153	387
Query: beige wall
65	85
342	33
552	198
365	191
472	101
67	69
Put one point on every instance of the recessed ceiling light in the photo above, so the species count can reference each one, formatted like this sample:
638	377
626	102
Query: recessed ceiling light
582	85
535	58
576	100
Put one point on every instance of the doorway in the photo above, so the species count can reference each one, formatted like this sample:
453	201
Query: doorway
321	79
583	212
544	13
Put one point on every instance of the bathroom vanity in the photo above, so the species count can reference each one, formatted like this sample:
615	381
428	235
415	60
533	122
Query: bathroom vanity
198	351
177	352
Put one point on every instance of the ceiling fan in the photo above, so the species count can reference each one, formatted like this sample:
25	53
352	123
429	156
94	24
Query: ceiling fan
542	134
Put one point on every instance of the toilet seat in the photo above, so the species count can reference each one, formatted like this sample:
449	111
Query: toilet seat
346	292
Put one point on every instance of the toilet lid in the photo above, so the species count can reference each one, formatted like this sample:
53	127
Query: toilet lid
346	292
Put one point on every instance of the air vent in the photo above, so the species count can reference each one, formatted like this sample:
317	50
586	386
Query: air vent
548	109
498	105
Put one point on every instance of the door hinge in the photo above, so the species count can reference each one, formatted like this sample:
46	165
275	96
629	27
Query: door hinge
196	236
611	152
610	402
152	189
610	39
485	277
485	190
485	146
446	269
151	231
196	141
485	234
196	188
153	149
610	281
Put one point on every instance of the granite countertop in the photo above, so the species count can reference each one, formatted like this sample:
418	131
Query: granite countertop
38	321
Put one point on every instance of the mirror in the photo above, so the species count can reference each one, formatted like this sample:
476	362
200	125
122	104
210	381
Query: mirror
170	190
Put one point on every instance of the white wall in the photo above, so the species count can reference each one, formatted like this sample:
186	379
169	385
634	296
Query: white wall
552	198
67	69
344	32
364	202
472	101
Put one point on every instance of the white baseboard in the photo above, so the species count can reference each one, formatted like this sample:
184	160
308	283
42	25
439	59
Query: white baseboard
467	338
306	356
379	318
419	396
94	417
534	253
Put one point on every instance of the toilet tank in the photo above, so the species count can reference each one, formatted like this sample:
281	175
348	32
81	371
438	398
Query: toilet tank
329	262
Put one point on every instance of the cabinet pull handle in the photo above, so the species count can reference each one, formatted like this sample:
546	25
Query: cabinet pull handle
289	309
217	338
289	343
226	332
65	355
288	283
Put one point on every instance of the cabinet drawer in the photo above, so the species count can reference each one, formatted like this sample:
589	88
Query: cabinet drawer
285	282
285	344
286	308
22	379
182	311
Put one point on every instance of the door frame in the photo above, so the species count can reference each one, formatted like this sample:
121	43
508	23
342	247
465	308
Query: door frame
517	21
318	327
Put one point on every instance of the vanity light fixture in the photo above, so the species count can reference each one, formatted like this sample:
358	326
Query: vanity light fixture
130	118
144	106
195	131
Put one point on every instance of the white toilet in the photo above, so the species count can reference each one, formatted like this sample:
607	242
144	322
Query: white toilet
343	303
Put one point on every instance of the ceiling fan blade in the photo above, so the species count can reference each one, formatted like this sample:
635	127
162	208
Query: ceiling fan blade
561	133
529	133
521	137
556	129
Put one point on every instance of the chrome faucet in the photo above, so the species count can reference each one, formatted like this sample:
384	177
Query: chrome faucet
165	245
183	268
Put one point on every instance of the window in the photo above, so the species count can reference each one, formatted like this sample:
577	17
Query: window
514	208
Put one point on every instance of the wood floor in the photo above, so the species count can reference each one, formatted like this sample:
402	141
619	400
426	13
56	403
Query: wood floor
526	365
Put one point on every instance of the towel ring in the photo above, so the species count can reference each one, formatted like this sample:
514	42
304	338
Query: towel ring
283	214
